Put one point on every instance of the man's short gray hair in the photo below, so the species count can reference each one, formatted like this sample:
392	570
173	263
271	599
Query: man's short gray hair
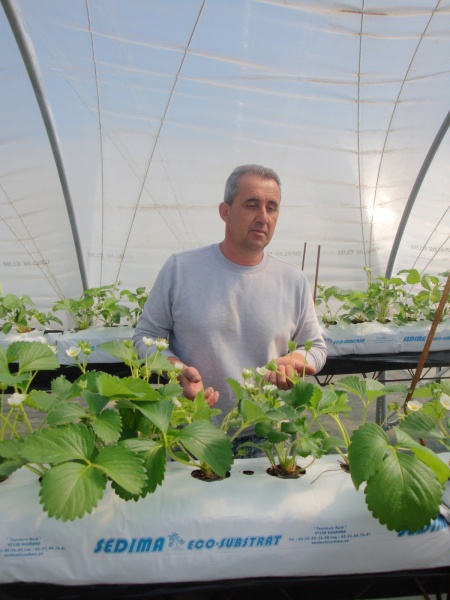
231	186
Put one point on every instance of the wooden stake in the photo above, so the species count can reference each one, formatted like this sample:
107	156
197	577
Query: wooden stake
426	348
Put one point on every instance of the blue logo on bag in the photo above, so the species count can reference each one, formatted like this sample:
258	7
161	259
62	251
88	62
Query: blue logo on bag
437	525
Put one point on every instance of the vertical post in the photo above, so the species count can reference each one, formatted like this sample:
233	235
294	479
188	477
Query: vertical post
317	272
29	58
304	255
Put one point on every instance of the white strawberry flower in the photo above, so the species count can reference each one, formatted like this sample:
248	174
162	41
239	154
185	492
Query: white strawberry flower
414	405
73	352
269	387
445	401
16	399
161	344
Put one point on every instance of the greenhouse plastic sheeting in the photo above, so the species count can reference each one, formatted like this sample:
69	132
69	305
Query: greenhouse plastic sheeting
188	530
121	120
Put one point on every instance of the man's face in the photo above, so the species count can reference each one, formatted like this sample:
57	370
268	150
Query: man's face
251	219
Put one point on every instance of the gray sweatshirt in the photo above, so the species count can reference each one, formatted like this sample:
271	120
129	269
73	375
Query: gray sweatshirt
221	317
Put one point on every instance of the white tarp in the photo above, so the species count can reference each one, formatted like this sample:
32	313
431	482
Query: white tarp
242	527
154	103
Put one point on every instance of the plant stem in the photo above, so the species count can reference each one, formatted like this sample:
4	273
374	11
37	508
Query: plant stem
342	429
178	459
365	411
36	471
6	423
25	417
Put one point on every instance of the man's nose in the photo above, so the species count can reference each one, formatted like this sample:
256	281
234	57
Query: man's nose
263	215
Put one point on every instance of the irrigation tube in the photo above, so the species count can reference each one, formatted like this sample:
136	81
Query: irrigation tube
29	58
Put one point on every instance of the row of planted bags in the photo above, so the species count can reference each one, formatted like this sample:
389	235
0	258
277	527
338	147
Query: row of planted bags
341	339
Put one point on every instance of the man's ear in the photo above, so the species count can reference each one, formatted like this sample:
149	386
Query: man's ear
224	210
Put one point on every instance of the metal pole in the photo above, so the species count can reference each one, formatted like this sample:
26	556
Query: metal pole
414	192
29	58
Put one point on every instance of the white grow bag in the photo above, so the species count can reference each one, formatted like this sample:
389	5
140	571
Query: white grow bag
245	526
376	338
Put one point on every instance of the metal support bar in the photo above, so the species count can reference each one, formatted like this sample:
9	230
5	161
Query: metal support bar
414	192
29	58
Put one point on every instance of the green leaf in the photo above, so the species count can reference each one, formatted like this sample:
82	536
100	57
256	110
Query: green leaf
62	387
112	386
122	466
19	380
119	350
13	302
331	443
159	413
40	400
426	455
154	456
332	402
71	490
96	402
140	390
58	444
368	447
290	427
11	448
363	388
267	429
284	412
403	494
310	443
208	444
202	411
160	363
413	276
4	367
236	387
300	394
67	413
170	390
108	426
421	426
33	356
155	466
250	412
8	466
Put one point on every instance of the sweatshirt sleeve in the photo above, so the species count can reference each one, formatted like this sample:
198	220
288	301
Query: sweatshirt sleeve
309	329
156	318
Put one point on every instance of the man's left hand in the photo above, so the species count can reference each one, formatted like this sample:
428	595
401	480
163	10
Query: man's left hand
287	367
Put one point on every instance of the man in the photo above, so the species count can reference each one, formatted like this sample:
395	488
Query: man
230	306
